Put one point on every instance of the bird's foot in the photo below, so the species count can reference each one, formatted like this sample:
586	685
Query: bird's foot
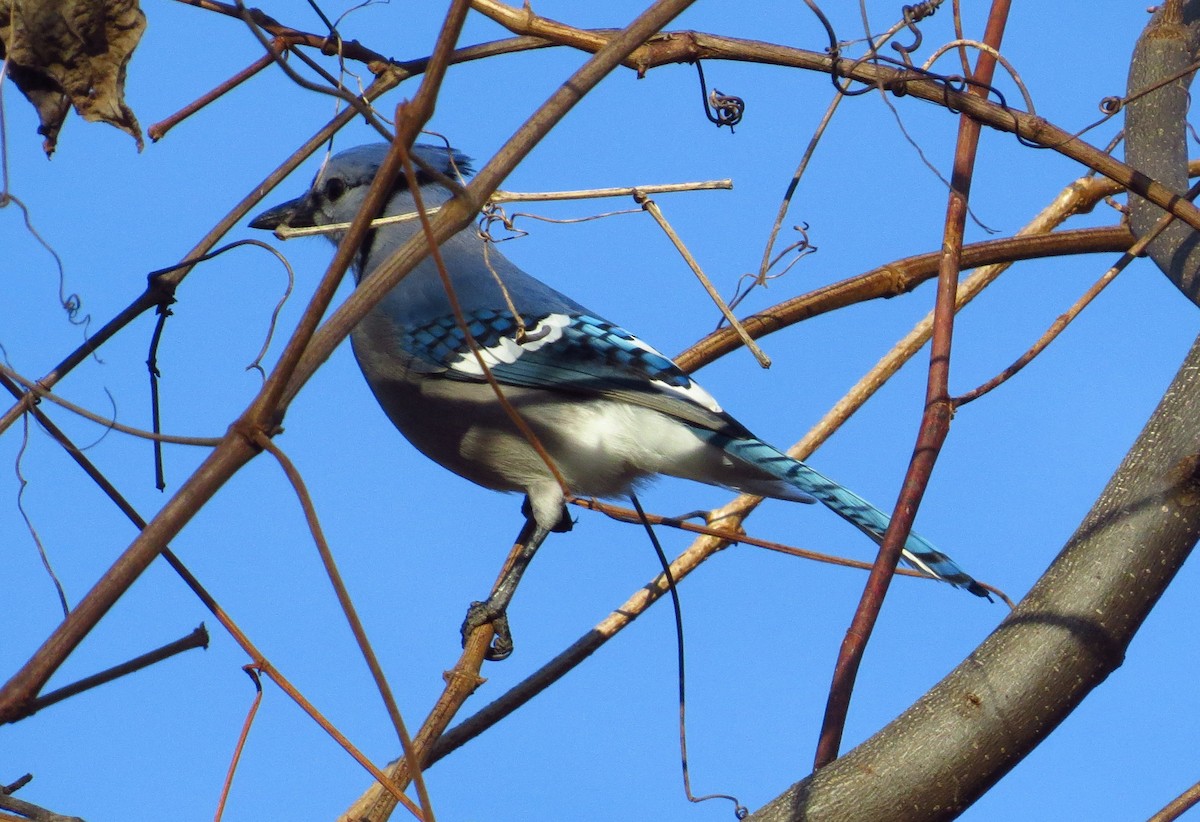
484	613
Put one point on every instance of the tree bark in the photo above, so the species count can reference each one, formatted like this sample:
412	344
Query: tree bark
1156	133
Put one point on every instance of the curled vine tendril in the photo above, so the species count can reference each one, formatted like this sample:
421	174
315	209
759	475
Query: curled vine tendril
720	109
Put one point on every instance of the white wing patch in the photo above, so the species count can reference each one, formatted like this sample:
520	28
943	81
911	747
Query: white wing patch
549	330
506	351
692	391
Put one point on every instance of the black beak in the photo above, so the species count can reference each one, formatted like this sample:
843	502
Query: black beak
296	213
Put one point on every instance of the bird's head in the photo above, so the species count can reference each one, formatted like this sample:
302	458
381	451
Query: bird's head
341	185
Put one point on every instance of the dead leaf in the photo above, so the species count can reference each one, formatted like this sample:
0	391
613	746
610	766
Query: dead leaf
64	53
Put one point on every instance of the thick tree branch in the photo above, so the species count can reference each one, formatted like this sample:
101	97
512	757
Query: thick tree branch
1156	133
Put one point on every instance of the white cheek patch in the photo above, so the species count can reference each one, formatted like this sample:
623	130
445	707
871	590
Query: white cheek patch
506	350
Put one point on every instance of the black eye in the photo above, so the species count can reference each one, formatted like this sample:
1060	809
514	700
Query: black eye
334	189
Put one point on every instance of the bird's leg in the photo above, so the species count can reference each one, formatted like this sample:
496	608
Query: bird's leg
495	609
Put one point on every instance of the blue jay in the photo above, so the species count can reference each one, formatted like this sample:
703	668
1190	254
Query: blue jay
609	410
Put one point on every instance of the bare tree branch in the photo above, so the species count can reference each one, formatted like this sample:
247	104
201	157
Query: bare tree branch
1156	133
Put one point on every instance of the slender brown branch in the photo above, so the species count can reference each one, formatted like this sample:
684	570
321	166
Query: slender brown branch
196	639
13	787
900	277
30	812
652	208
794	183
935	423
1065	319
239	746
741	538
1178	806
159	130
34	389
350	49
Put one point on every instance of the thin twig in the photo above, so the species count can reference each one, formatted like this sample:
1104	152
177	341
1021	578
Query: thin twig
351	613
22	484
36	390
654	211
502	196
159	130
740	537
1012	72
30	812
253	673
794	183
1178	806
287	232
196	639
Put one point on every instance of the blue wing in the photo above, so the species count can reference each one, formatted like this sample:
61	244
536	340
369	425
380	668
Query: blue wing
572	352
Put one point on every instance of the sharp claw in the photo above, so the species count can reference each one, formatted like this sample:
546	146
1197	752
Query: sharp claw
484	613
502	642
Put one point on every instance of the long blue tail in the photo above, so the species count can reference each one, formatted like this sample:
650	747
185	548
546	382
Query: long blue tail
848	505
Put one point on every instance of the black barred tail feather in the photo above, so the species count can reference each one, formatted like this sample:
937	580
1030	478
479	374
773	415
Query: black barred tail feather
848	505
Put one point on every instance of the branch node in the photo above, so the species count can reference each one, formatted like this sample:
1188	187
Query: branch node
460	677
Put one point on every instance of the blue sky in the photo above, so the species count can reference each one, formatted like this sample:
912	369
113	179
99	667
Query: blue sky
416	544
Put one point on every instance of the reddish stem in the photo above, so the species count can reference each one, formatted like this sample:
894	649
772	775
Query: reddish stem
935	424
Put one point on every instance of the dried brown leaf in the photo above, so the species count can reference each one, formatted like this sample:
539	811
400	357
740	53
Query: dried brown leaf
64	53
